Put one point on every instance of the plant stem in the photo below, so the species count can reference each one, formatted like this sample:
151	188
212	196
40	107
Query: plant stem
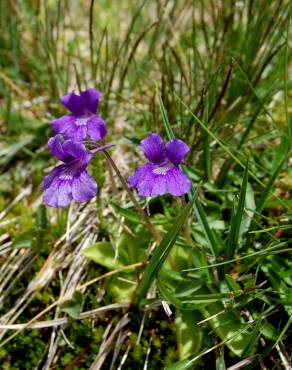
137	206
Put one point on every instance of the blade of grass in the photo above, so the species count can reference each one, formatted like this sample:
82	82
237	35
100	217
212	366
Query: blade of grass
229	152
236	219
202	218
161	252
289	123
199	210
207	160
221	178
123	46
263	199
189	362
265	252
164	116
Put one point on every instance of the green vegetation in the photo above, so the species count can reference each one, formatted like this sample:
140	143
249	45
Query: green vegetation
94	284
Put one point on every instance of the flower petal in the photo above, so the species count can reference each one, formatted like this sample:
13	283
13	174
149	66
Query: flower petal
84	187
153	148
138	175
74	103
47	182
76	150
147	182
90	99
177	182
76	133
159	185
176	150
96	128
59	194
62	124
56	147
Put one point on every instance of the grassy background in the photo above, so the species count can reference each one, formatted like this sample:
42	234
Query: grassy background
213	73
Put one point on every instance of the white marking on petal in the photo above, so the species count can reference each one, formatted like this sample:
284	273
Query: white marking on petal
65	176
70	171
81	121
162	169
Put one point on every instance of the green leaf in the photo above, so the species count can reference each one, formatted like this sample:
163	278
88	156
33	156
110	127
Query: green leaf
103	254
177	301
236	220
266	192
189	340
169	296
121	288
165	119
208	233
220	362
134	217
128	214
228	326
190	361
25	240
41	218
162	250
266	329
73	307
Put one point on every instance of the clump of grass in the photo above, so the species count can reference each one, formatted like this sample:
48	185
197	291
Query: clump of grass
215	291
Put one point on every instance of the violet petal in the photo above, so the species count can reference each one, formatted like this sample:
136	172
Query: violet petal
58	194
84	187
176	150
47	182
96	128
76	150
74	103
62	124
178	182
143	180
56	147
153	148
91	99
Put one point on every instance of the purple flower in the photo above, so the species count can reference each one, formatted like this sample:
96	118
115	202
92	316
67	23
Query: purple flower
161	174
70	180
83	121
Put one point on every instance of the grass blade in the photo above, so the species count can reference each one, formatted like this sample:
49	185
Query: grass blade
208	233
199	210
264	197
236	220
165	119
161	252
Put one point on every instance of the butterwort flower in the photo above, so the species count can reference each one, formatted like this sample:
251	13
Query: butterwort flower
84	120
69	180
161	174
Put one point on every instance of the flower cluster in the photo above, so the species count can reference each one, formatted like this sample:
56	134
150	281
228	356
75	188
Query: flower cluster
70	180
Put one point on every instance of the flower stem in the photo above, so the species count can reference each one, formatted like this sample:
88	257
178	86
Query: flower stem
137	206
101	148
111	176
